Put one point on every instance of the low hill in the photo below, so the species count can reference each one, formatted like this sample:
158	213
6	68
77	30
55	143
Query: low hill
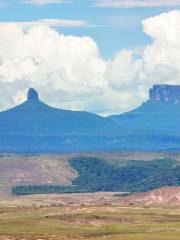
34	170
35	118
88	172
161	196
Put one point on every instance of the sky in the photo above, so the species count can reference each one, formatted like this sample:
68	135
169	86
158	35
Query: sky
92	55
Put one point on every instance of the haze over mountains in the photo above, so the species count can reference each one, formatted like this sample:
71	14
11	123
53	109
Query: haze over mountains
34	126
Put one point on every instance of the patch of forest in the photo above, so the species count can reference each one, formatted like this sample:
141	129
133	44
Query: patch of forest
96	174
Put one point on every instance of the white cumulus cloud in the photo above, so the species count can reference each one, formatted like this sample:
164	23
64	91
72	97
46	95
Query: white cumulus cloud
123	70
69	71
162	58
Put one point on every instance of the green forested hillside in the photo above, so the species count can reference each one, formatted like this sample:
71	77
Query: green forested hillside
96	174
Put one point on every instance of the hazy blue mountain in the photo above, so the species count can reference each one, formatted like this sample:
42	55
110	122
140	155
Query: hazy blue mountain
34	117
155	125
33	125
160	115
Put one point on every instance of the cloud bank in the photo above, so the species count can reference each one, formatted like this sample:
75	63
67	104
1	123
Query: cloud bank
69	71
43	2
136	3
49	22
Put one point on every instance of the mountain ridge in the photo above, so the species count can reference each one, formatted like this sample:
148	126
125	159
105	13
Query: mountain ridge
46	117
158	115
35	127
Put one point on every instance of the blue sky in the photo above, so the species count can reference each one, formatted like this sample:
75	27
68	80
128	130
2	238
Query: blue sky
112	28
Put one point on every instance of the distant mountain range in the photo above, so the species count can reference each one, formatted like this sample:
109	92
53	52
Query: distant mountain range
34	127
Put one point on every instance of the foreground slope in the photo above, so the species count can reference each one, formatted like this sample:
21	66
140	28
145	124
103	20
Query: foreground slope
161	196
91	222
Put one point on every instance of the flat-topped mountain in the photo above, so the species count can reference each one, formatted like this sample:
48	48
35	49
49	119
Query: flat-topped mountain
155	124
165	93
159	115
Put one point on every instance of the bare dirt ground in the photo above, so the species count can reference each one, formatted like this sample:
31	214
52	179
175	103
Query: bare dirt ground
58	199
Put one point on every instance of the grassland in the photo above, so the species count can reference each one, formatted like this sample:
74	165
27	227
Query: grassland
90	222
90	217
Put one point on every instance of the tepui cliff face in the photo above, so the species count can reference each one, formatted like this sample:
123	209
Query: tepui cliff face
165	93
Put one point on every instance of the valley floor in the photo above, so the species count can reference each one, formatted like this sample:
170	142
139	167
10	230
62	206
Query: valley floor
89	222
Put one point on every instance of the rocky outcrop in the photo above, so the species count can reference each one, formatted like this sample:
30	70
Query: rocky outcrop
35	127
161	196
32	95
165	93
